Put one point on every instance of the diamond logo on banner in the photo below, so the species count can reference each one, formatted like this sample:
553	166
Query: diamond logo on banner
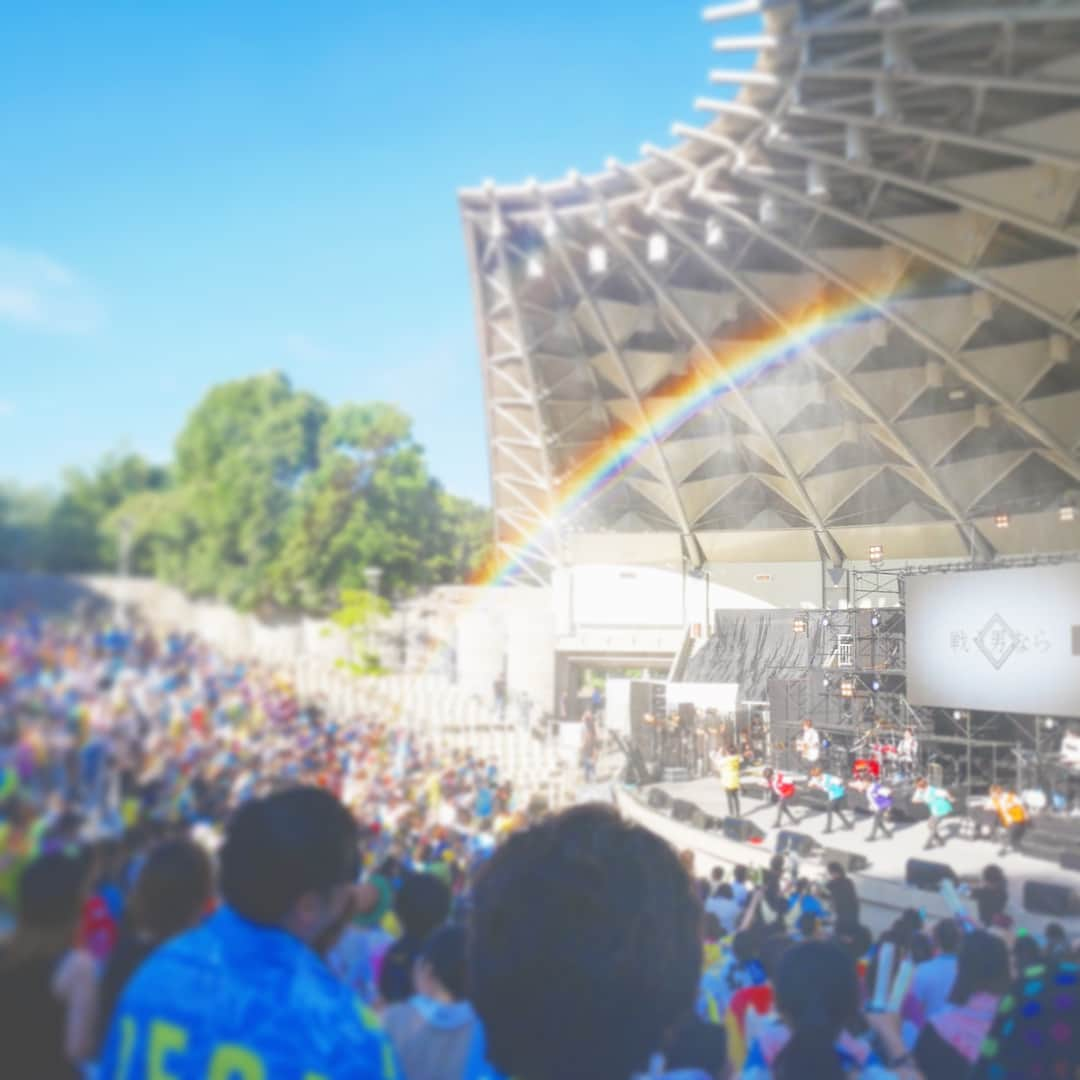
997	641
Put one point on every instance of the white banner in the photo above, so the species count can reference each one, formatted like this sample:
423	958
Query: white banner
996	640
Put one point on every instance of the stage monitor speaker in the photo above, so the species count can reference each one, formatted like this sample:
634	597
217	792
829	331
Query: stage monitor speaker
1070	860
701	820
682	810
1046	898
658	799
746	832
923	874
801	844
851	861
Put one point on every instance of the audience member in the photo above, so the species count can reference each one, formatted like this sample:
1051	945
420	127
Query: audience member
48	988
585	949
249	989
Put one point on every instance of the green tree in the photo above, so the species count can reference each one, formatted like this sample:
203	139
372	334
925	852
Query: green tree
77	535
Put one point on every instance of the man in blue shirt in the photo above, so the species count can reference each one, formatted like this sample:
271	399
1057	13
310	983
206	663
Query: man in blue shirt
247	996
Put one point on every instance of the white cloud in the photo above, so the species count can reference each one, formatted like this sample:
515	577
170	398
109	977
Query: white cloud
39	293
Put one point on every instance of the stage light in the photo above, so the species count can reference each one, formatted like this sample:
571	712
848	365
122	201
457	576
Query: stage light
957	715
597	259
824	620
714	233
875	685
817	181
798	624
1049	723
658	248
1059	349
875	620
1067	513
1001	520
827	682
534	268
847	688
856	145
877	553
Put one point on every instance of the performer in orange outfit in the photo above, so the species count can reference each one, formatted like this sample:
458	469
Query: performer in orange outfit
1012	817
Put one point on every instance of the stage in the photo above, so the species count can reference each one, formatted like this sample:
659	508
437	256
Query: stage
881	884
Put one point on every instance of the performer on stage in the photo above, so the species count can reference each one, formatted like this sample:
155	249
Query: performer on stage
940	804
1070	748
1012	817
728	762
909	752
878	798
783	791
809	744
836	790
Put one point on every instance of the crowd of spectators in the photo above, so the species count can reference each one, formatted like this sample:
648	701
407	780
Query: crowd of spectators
210	878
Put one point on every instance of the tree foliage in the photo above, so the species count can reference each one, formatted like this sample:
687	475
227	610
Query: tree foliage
274	502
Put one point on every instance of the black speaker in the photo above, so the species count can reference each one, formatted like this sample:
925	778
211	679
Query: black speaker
700	820
923	874
1046	898
681	810
801	843
746	832
851	861
1070	860
687	715
658	799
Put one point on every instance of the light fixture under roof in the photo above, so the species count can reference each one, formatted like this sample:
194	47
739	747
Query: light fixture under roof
714	233
1067	510
658	248
1001	520
598	259
856	145
817	181
958	394
877	554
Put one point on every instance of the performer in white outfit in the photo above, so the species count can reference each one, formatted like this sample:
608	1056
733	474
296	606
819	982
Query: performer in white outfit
909	752
809	745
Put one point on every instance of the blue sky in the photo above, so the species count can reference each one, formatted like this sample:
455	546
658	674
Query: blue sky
200	191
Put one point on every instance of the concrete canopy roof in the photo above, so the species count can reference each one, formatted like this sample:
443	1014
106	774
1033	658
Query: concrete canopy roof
904	177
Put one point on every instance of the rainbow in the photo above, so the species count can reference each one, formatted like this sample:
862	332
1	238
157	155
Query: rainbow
676	401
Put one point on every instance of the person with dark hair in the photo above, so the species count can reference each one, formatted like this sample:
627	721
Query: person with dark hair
782	791
248	993
723	905
949	1043
817	998
585	948
739	877
171	894
836	793
436	1033
992	897
729	765
1026	953
940	804
772	890
422	905
48	988
842	897
1058	947
933	981
1037	1028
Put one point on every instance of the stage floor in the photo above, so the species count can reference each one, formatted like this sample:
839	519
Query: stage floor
888	857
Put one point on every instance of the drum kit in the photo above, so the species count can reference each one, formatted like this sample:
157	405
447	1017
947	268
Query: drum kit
878	753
